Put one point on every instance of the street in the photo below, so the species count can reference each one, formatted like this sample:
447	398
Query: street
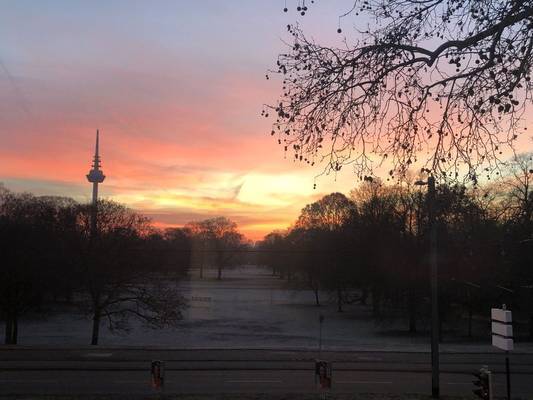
28	371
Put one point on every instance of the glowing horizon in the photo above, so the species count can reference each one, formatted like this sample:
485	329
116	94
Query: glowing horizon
176	90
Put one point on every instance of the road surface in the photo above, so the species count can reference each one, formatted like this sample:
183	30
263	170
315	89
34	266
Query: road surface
31	371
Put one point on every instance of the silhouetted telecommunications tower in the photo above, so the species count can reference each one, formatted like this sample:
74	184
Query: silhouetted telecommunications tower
95	176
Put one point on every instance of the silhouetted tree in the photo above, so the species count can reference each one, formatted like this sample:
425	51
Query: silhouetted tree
307	260
375	245
518	240
467	253
273	252
117	271
323	225
220	238
412	211
518	181
178	243
381	229
452	78
36	262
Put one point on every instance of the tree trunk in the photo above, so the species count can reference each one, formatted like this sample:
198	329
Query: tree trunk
364	296
469	296
317	300
339	300
219	276
14	337
69	296
412	313
376	300
202	268
469	321
9	328
441	327
96	327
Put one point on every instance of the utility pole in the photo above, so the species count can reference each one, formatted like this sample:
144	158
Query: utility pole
320	322
435	387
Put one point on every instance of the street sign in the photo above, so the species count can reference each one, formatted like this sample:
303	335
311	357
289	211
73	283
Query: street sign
502	329
323	374
502	343
502	337
158	374
501	315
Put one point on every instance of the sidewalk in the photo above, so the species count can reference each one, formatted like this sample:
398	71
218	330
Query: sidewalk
289	396
444	348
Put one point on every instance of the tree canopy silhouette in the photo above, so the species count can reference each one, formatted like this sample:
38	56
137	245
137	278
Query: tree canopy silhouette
372	248
221	238
118	269
34	255
440	84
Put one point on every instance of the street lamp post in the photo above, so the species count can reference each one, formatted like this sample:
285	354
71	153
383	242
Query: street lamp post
434	291
435	387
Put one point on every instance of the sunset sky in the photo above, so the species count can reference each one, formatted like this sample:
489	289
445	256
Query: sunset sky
176	89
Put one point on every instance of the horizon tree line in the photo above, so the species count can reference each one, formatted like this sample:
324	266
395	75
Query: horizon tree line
129	269
371	247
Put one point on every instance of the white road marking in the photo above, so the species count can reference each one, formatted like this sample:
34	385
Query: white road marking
28	380
98	354
364	382
369	358
254	381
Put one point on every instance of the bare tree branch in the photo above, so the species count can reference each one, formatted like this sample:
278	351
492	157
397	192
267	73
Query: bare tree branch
442	85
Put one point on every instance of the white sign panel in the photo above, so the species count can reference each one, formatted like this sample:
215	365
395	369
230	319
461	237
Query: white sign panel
502	343
502	329
497	314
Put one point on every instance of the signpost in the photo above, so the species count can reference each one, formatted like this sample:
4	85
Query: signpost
320	322
157	371
322	367
323	375
502	337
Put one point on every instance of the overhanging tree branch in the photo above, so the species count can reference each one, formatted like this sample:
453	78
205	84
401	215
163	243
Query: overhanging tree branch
388	98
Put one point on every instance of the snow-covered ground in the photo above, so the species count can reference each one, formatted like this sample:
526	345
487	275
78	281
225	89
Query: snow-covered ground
247	309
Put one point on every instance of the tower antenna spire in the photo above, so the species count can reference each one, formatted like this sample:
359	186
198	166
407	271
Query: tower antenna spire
97	142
